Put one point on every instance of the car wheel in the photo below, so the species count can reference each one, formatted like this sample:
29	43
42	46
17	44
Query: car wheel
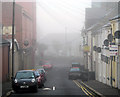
36	89
16	91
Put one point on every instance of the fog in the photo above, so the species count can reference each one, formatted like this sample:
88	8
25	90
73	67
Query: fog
53	16
60	47
59	25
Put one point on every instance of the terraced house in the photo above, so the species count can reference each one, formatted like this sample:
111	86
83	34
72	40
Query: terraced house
102	42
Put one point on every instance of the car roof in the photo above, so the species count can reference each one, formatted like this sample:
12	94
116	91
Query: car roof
75	63
26	71
41	69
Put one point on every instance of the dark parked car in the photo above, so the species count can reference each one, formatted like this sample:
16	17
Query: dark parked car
75	64
74	73
42	74
25	80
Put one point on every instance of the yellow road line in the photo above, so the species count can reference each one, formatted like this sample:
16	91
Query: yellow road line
88	92
83	89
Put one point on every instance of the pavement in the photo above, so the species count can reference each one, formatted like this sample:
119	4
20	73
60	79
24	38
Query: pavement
101	89
6	89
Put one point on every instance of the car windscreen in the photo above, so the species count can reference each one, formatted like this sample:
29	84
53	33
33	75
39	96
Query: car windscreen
74	69
25	75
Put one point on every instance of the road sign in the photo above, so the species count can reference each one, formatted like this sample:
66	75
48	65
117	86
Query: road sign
113	50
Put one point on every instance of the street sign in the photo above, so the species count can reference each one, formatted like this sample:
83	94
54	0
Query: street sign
113	50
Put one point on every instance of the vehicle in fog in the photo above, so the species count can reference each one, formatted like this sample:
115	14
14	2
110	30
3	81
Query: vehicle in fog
74	73
24	80
39	79
75	64
47	66
42	74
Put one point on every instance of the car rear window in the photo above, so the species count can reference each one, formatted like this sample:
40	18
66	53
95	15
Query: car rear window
75	64
74	69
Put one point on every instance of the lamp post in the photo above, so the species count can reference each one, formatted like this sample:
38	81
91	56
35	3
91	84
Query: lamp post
13	24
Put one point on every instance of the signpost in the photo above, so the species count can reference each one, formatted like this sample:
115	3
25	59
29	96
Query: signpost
113	50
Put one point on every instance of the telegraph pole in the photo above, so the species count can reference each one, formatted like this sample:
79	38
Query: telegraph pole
13	29
66	40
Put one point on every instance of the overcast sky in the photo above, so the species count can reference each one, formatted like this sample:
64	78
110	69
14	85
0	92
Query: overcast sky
54	16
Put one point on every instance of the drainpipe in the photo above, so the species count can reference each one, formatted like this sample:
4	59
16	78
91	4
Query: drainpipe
111	63
8	60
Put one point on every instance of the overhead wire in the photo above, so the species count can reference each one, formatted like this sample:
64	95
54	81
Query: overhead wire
53	17
56	12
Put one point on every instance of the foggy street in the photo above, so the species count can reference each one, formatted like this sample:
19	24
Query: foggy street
59	48
57	83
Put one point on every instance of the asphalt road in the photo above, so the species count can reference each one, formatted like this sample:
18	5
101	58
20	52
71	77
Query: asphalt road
57	84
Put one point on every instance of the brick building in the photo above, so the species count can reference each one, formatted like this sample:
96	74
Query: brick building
25	32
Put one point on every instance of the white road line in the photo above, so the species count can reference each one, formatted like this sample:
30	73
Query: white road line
53	88
46	89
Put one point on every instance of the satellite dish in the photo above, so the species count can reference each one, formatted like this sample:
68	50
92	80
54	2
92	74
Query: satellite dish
110	37
117	34
95	48
106	42
99	49
26	43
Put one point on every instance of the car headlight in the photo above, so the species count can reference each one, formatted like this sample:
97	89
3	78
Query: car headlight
15	81
33	80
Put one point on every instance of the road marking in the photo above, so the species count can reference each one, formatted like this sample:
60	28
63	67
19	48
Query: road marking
83	89
80	87
53	88
46	89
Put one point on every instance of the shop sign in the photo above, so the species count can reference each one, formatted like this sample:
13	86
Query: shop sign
7	30
86	48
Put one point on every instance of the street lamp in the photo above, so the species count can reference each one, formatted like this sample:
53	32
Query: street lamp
13	24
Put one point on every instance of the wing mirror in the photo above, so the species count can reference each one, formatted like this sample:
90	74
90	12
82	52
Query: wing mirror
36	76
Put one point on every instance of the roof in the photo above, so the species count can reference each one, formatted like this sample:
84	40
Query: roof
116	17
107	25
